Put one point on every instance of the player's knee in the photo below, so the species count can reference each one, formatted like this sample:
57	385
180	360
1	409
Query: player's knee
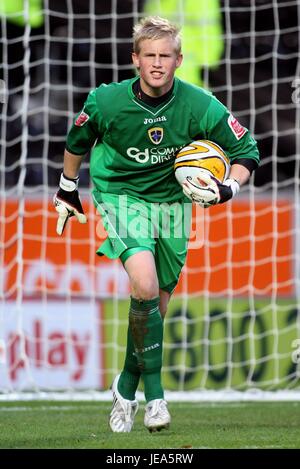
145	289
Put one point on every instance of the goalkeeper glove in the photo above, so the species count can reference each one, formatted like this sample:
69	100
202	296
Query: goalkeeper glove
67	203
207	190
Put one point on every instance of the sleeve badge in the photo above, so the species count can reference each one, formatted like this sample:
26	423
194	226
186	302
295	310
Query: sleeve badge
82	119
237	129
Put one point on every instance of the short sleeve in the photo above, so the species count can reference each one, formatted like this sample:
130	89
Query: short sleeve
86	128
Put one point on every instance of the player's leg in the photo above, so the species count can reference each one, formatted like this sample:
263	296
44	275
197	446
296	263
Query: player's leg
145	321
140	267
146	327
120	242
170	256
139	258
157	415
145	332
144	338
144	342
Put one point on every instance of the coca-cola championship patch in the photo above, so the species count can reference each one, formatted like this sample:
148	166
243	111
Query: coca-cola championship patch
237	129
82	119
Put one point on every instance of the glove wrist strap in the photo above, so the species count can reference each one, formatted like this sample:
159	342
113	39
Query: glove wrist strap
234	185
67	184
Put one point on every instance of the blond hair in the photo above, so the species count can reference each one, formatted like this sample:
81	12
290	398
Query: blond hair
155	27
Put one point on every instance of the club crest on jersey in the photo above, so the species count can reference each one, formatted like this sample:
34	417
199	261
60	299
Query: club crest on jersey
237	129
156	134
82	119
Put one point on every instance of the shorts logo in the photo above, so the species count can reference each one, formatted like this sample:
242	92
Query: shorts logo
82	119
156	134
237	129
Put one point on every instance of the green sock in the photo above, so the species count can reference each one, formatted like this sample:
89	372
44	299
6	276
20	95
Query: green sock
130	376
147	333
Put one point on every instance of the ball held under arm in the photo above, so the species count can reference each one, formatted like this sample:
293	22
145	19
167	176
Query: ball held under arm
207	190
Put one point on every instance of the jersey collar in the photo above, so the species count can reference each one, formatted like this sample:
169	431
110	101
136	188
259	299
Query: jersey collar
153	110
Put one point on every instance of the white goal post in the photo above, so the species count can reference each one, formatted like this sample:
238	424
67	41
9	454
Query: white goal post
233	325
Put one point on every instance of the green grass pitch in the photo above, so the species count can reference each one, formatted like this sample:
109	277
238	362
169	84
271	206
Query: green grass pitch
44	424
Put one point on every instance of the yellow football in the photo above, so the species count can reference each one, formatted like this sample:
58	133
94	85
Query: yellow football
201	156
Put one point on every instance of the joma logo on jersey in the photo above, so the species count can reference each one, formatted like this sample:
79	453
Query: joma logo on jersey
156	135
156	119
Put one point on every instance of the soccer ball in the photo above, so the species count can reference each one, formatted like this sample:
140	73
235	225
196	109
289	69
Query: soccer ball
201	159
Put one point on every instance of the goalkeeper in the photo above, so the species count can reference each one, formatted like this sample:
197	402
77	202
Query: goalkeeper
133	129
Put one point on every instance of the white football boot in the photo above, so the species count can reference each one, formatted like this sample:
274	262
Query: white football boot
157	415
123	411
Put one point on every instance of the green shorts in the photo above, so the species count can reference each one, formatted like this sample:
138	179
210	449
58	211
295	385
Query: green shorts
162	228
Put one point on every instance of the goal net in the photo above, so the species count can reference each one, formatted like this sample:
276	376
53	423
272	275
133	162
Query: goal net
233	323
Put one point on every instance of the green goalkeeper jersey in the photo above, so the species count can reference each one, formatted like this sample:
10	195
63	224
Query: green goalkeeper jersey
134	144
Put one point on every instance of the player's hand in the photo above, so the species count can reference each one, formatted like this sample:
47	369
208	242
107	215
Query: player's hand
67	203
207	190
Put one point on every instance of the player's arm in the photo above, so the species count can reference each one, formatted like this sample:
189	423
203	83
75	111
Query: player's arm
80	140
72	164
221	127
210	191
66	200
239	175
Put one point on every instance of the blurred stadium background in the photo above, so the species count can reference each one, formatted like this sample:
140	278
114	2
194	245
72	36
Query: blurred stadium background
234	323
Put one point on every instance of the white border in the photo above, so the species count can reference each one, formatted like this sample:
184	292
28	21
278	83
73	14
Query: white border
171	396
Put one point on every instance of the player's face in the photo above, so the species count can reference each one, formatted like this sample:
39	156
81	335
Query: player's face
156	62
